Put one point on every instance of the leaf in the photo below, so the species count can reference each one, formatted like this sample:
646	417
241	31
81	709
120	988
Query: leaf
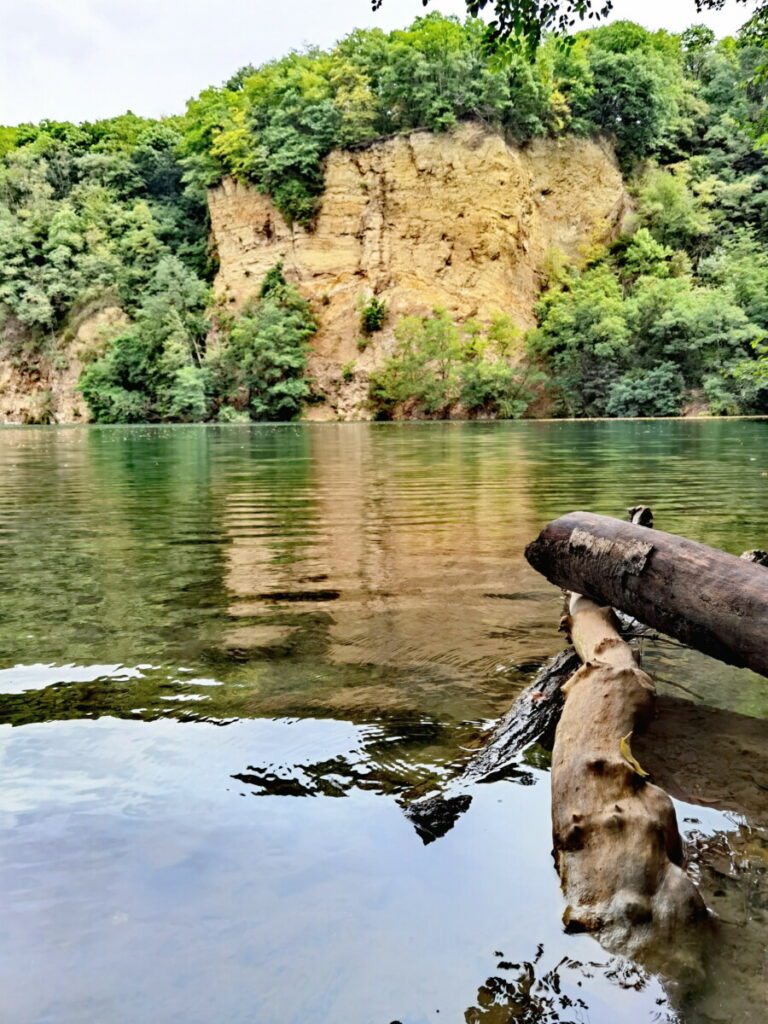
626	753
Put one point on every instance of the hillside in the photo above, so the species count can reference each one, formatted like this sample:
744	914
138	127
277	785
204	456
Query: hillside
459	221
401	226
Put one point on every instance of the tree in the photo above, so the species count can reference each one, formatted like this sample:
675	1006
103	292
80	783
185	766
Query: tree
438	366
583	339
259	370
526	21
151	370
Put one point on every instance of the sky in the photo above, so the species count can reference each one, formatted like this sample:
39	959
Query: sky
77	60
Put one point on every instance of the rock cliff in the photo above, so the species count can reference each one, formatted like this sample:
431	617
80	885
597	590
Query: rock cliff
40	386
460	220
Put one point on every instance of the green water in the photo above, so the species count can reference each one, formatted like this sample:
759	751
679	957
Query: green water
210	635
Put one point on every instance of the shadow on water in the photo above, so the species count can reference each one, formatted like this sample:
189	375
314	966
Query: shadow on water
191	617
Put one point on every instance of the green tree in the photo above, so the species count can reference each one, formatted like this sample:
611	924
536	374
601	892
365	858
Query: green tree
670	211
151	370
526	21
260	367
438	366
584	340
654	392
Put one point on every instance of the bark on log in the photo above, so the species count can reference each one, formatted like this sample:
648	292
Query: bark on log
708	599
616	843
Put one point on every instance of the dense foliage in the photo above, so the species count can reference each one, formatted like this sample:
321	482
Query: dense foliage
439	367
113	213
273	125
679	309
523	23
90	209
158	368
259	371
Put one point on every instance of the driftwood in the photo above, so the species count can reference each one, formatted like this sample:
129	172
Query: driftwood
531	719
708	599
616	843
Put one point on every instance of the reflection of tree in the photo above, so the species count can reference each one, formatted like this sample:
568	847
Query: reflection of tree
591	465
102	561
528	993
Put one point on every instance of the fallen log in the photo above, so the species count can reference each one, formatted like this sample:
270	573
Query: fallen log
709	600
532	719
617	847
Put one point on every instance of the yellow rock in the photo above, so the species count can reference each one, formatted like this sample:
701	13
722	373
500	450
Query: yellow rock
460	220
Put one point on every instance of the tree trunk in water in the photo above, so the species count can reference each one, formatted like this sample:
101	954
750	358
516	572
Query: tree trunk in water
532	718
616	842
708	599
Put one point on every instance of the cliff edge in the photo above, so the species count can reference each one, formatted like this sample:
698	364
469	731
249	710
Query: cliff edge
460	220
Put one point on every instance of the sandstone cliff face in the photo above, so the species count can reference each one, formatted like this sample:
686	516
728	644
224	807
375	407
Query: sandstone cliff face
41	387
459	220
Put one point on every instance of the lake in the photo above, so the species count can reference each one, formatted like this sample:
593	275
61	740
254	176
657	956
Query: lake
230	656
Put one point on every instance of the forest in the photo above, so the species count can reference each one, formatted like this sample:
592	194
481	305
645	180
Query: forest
672	316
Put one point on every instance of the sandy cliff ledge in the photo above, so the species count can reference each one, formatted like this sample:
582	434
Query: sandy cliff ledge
459	220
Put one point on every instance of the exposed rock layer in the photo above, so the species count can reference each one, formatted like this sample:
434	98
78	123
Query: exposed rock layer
459	220
39	385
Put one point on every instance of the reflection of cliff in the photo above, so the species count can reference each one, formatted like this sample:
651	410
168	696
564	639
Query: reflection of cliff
459	220
393	555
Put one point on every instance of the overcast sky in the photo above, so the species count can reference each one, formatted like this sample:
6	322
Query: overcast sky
78	60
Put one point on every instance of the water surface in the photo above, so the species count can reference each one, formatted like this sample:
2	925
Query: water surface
229	656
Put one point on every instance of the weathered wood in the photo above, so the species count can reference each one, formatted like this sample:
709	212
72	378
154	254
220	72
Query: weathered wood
710	600
531	719
616	843
758	556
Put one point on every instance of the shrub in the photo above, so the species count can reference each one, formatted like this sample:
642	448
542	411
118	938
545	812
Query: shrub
497	388
373	315
654	392
260	369
438	365
583	339
151	370
422	372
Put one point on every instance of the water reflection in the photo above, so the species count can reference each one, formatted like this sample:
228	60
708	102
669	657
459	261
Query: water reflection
190	617
532	992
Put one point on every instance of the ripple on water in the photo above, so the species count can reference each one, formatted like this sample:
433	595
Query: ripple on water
228	659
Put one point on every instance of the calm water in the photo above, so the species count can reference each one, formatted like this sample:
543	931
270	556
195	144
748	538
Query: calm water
230	656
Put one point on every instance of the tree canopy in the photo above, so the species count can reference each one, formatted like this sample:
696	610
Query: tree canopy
527	21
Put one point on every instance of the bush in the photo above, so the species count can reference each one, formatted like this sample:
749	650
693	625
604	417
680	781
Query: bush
583	339
373	315
260	369
654	392
497	388
151	370
438	365
422	372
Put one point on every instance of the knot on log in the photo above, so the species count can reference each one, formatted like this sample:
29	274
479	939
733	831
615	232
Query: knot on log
757	556
640	515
